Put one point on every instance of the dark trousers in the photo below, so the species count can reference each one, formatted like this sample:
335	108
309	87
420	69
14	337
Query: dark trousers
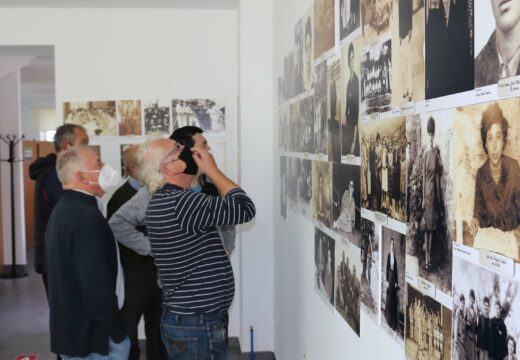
46	285
143	298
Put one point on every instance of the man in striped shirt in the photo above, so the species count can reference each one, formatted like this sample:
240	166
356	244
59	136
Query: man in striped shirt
197	278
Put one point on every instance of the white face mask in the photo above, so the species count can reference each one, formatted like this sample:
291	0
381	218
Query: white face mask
108	178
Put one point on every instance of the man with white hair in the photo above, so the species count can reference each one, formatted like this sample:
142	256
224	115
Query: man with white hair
81	259
197	278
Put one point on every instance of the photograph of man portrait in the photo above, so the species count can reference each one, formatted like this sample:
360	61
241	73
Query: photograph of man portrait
350	100
370	267
487	176
321	192
324	248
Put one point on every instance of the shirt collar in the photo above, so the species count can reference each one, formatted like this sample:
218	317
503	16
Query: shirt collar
134	183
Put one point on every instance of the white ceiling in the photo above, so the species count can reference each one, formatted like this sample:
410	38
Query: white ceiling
183	4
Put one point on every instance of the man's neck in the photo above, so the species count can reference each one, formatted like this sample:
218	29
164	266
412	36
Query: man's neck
79	187
182	180
508	43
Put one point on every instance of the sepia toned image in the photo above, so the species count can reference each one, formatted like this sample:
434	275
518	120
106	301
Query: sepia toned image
496	41
375	18
348	287
156	115
408	52
308	49
346	201
486	182
349	17
305	187
288	76
370	267
429	202
383	166
97	117
392	276
306	125
324	249
122	149
283	128
376	77
129	117
349	114
295	130
298	57
283	186
324	26
428	327
486	313
449	61
293	174
207	114
320	110
321	192
333	110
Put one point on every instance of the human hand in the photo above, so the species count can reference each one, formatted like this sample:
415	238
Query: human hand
204	160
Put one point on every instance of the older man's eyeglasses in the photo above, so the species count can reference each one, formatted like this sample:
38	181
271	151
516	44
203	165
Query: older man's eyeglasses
174	151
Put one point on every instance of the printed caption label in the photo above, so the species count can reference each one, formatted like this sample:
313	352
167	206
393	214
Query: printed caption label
497	262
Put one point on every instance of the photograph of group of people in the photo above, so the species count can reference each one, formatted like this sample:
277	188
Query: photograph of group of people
98	118
207	114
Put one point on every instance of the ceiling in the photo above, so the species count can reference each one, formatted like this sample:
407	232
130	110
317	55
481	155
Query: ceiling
140	4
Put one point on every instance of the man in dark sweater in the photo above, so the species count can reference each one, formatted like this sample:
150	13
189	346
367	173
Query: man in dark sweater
81	260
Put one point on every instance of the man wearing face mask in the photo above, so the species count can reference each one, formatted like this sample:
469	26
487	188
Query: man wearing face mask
81	258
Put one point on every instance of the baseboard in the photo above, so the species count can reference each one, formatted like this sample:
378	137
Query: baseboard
259	355
19	271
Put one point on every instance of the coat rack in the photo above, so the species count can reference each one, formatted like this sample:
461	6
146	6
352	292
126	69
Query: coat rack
12	141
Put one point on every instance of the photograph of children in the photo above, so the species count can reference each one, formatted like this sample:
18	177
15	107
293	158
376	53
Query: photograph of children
428	327
324	22
497	39
305	187
348	286
430	215
97	117
306	124
298	57
376	68
370	267
349	114
487	176
375	18
308	50
346	201
320	109
349	17
293	174
288	76
449	61
324	264
321	192
408	52
392	277
156	116
383	166
129	117
333	110
486	313
283	186
207	114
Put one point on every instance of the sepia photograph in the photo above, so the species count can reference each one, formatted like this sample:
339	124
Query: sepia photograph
156	116
295	130
429	203
324	26
375	19
383	166
392	277
376	76
97	117
306	125
370	268
321	104
333	110
308	50
305	187
283	186
324	248
207	114
293	174
348	287
486	181
321	192
486	313
349	114
346	201
298	57
349	17
122	149
497	39
129	117
449	60
428	327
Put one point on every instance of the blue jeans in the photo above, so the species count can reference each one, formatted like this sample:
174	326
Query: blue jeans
194	337
116	351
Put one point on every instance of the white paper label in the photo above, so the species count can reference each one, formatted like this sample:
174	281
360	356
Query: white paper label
426	287
497	262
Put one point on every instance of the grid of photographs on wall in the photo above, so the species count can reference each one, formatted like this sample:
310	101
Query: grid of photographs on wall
411	166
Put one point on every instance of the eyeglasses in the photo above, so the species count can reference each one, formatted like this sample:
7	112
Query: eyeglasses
170	153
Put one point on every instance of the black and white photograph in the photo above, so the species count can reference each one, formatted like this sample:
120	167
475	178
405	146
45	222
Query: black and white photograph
428	327
320	110
288	76
295	129
305	187
383	166
348	287
375	19
298	57
293	174
321	192
349	17
283	186
497	29
308	50
207	114
324	249
346	201
449	36
284	130
486	313
122	149
97	117
429	202
129	112
376	76
324	26
370	267
349	114
333	110
393	302
487	176
306	125
156	115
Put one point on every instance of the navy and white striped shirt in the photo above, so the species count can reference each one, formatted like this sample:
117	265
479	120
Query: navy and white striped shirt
195	272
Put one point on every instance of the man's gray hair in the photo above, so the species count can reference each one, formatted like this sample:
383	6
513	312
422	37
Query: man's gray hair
69	162
149	158
65	135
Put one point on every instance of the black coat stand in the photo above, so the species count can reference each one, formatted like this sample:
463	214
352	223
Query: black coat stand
12	141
